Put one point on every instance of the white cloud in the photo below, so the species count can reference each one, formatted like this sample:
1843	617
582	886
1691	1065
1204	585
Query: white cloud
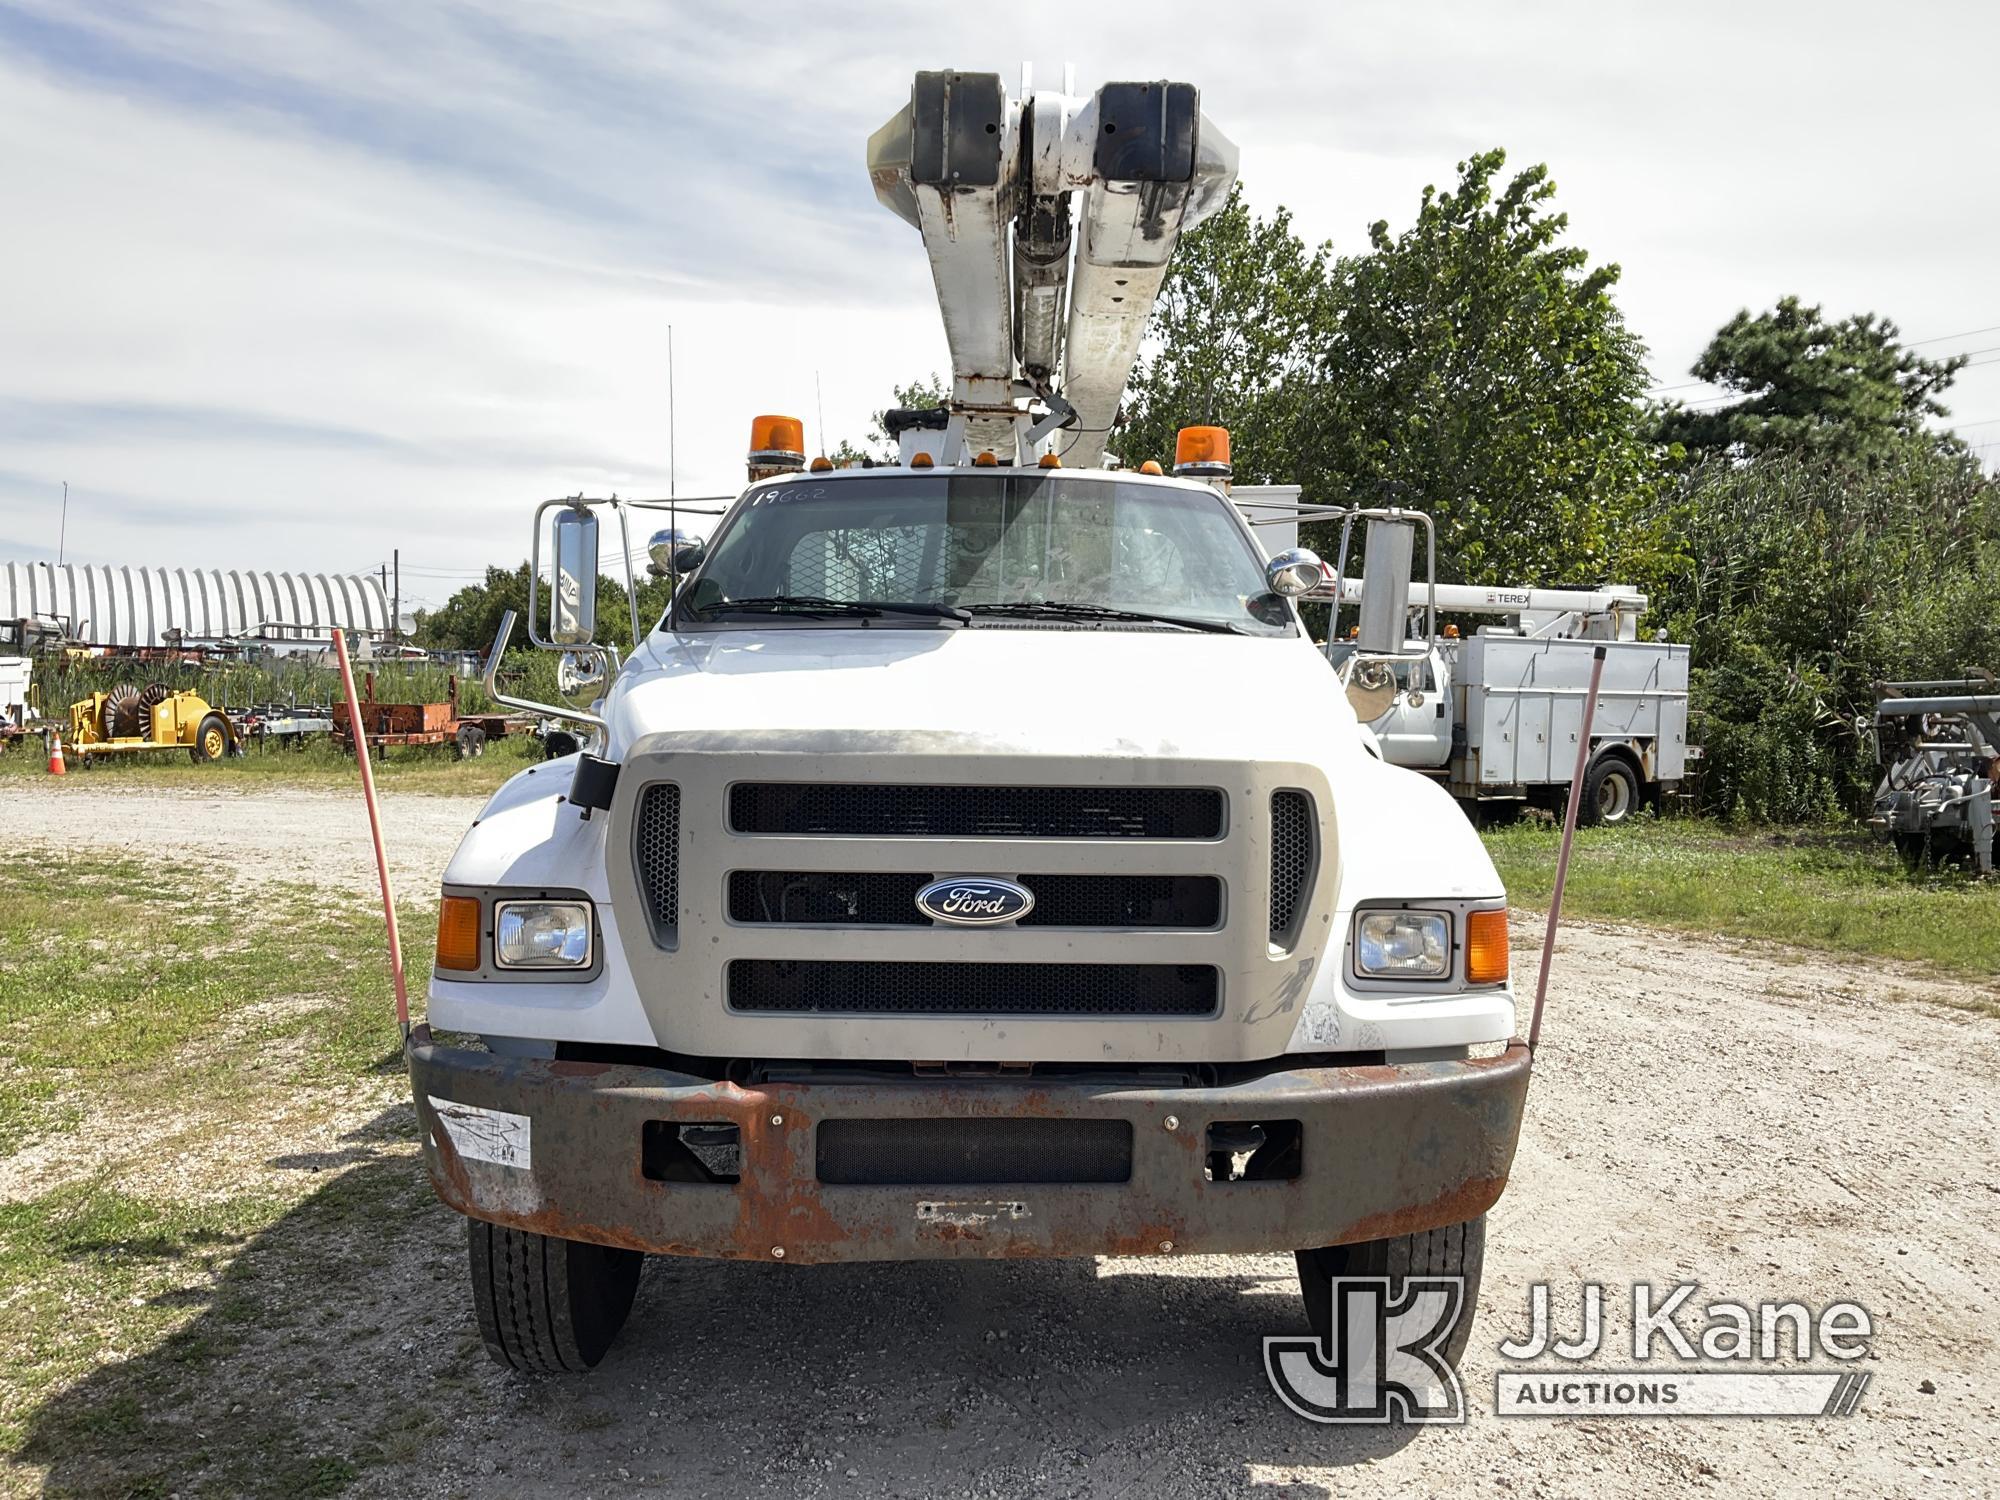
289	287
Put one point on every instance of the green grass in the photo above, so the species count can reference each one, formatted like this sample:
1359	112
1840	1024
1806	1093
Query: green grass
154	1018
422	768
114	965
1840	890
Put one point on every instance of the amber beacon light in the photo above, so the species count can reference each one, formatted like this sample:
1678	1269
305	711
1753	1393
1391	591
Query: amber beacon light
1202	452
777	442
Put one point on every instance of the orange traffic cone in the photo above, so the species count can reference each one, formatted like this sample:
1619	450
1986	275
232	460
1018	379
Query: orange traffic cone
56	767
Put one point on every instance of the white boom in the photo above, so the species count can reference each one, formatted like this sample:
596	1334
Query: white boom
1049	222
1609	613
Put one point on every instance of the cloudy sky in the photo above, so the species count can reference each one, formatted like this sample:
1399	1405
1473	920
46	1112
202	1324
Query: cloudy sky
290	285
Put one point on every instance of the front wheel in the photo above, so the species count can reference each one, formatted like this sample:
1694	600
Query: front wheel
1456	1250
548	1306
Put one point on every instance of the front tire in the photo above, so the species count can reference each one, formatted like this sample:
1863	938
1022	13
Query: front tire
1455	1250
548	1306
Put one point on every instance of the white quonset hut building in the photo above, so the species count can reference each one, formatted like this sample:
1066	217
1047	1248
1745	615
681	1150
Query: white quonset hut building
107	606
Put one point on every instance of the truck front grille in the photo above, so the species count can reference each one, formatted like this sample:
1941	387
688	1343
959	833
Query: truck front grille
976	812
968	1153
657	846
887	899
872	987
1292	848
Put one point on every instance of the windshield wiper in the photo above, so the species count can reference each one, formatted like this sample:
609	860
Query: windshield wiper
812	605
1057	609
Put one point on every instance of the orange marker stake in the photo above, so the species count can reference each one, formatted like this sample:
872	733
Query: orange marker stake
375	831
1569	835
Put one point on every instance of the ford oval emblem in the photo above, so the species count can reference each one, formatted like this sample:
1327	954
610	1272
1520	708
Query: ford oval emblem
975	901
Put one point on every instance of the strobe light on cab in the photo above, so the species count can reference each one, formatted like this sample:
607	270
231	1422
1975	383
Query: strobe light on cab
1203	453
777	446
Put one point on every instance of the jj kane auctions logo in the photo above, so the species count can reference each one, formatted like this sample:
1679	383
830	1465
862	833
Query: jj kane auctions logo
1386	1359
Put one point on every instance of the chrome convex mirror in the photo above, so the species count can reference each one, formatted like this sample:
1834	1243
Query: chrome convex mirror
1294	572
674	554
573	591
581	676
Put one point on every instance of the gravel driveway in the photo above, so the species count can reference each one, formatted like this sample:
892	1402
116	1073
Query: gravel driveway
1769	1124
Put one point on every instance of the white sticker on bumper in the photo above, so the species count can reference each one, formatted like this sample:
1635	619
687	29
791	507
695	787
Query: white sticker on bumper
485	1134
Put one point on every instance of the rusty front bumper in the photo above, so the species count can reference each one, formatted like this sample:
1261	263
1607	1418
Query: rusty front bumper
1385	1150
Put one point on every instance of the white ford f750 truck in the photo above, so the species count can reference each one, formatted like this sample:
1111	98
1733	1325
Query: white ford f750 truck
974	861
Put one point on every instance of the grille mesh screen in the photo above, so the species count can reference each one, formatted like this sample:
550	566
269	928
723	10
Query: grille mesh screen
889	899
871	987
957	1153
1292	837
994	812
658	843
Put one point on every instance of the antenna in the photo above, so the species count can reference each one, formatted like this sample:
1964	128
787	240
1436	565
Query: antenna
62	535
670	413
819	400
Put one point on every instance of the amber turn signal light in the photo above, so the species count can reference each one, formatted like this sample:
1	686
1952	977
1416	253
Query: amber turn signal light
1486	947
458	933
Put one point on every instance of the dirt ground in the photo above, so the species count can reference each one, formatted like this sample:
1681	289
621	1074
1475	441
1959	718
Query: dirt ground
1768	1124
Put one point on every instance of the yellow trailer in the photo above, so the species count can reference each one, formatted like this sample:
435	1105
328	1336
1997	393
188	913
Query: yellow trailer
130	721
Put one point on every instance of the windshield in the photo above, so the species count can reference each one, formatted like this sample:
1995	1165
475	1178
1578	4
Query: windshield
985	550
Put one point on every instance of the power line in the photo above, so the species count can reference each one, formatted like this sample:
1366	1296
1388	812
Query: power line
1945	338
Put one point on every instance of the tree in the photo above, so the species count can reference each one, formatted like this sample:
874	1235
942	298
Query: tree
1849	390
1231	343
1473	366
1479	369
925	391
470	619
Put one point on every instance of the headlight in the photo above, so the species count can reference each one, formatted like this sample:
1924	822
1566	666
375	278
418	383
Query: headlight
1402	944
542	934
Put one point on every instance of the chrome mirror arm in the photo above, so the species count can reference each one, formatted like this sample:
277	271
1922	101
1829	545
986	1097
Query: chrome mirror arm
491	682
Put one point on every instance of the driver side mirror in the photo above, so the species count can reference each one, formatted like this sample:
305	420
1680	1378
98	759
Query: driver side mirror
573	592
674	554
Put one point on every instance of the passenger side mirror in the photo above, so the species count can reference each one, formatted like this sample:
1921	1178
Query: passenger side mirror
674	553
1385	586
573	592
1294	572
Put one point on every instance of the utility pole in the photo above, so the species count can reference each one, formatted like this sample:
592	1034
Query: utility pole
396	609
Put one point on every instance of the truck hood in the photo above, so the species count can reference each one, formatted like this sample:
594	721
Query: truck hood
1138	693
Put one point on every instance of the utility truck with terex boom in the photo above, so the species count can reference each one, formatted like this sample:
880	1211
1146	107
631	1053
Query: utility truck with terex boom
1496	717
973	861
